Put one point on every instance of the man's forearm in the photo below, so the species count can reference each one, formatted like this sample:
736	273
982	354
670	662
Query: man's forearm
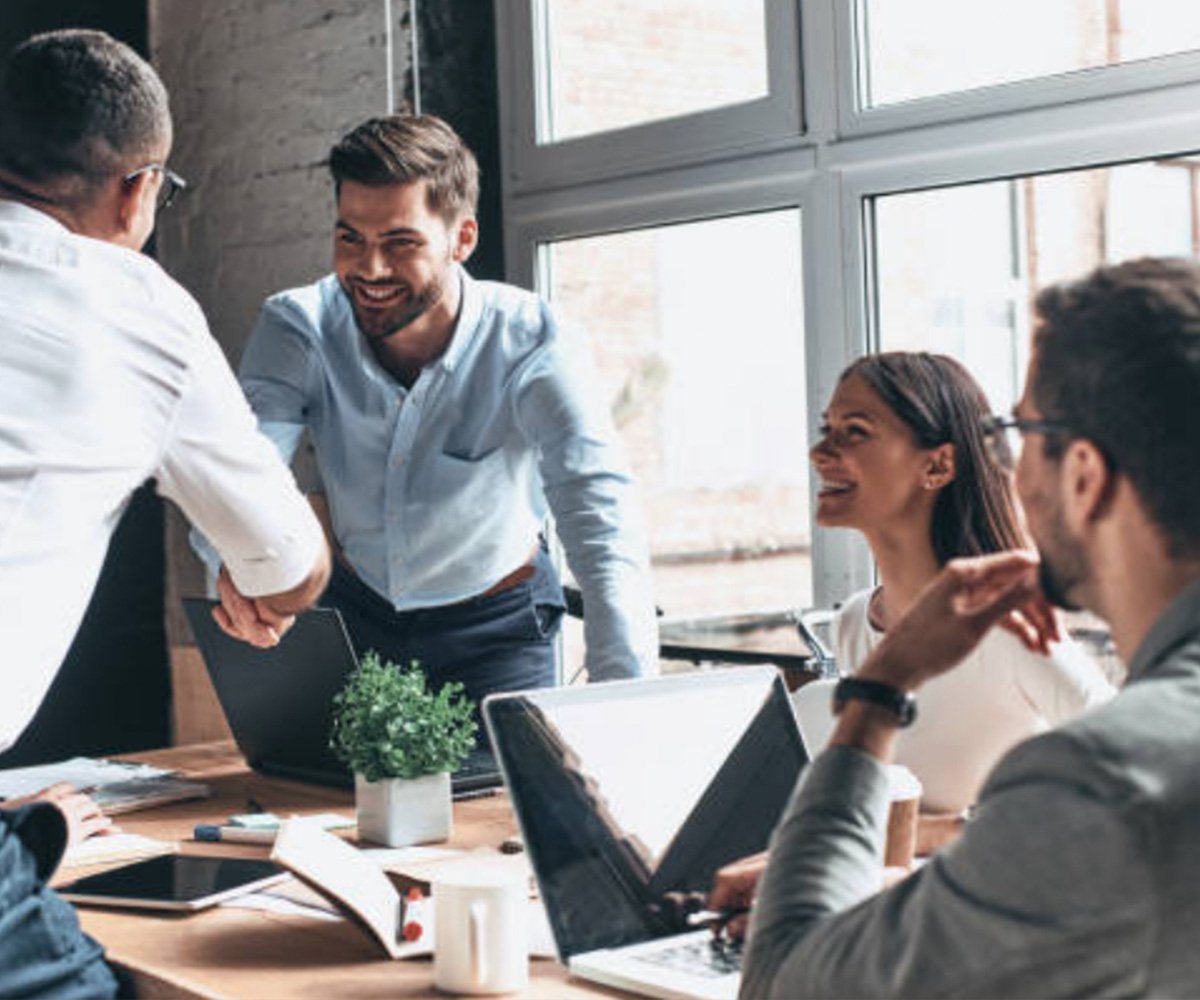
826	855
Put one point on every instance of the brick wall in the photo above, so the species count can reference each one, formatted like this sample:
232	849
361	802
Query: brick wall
259	91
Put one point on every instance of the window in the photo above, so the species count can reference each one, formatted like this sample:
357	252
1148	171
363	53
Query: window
958	268
917	48
626	62
593	90
698	333
948	159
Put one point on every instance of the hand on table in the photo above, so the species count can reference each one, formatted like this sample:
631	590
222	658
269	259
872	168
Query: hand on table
248	618
84	817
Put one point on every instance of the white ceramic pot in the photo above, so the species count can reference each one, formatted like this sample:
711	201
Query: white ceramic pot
398	812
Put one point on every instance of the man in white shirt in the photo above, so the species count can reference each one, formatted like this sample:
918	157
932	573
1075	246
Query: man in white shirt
110	377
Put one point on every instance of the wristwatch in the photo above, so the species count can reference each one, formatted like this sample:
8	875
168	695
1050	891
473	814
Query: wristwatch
900	703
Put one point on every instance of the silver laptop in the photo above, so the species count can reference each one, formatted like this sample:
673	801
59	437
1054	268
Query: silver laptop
630	796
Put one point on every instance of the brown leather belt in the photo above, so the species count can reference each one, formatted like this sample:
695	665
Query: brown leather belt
509	580
518	575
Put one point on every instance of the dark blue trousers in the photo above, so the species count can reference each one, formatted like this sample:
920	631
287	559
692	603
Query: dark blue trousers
504	642
43	952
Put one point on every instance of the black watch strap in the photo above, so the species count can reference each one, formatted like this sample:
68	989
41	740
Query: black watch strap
900	703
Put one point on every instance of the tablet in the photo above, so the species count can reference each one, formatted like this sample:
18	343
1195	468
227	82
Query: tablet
174	882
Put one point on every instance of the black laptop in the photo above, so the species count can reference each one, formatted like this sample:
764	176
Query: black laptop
630	796
279	701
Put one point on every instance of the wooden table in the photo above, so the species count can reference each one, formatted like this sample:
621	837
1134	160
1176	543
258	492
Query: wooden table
769	637
228	952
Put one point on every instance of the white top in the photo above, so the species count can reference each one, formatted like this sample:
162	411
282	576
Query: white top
108	376
968	718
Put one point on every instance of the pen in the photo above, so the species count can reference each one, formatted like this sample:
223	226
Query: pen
212	833
716	919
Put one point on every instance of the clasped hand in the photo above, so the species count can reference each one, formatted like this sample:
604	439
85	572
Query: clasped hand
248	618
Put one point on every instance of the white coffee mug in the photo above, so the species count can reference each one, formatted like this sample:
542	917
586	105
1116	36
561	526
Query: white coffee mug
481	941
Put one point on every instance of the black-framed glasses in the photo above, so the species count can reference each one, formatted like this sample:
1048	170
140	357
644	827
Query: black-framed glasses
1004	435
171	186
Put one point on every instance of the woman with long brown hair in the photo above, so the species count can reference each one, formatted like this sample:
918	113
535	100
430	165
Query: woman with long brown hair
904	459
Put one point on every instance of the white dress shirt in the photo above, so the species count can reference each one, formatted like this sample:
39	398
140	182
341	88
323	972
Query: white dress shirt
108	377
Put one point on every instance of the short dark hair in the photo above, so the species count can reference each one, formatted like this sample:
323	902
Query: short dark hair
403	149
938	400
1118	362
77	107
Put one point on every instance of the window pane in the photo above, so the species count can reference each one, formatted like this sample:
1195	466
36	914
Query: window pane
958	268
698	333
612	64
917	48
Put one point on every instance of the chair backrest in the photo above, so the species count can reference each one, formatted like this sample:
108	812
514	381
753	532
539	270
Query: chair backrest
813	703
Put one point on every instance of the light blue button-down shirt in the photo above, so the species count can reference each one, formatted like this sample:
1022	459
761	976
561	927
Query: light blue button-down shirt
438	491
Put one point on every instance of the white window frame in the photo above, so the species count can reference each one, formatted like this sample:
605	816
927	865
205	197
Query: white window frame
831	171
762	124
1068	87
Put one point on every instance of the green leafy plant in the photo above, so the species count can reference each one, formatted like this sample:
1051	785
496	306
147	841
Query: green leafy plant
388	724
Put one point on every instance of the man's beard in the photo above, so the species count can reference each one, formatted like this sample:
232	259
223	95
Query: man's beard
1063	567
380	324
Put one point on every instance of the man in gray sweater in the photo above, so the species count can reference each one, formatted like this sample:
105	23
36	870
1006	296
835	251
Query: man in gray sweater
1078	874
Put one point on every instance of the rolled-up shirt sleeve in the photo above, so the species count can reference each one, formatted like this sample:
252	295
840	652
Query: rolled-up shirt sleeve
232	484
1013	907
33	840
592	495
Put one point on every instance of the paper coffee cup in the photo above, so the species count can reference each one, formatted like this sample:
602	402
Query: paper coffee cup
901	844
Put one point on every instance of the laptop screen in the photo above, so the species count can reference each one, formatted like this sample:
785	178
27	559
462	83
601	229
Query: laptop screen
279	701
628	791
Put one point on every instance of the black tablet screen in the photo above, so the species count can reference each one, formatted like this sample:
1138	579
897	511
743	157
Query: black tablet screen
172	880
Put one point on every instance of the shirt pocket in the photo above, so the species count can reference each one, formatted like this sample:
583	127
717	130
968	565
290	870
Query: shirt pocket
477	480
471	456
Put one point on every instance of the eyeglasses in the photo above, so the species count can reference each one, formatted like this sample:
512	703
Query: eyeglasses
1005	436
171	186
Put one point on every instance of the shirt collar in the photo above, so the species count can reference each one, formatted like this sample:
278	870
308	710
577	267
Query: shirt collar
469	311
19	212
1173	627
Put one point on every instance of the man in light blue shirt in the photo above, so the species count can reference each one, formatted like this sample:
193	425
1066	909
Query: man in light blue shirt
448	417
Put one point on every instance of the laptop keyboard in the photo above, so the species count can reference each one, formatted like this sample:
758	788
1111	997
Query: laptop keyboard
711	958
478	775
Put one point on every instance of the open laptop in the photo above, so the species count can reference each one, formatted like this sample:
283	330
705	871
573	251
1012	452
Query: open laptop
279	701
629	791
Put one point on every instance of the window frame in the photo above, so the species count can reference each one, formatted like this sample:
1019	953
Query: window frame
831	171
1067	87
762	124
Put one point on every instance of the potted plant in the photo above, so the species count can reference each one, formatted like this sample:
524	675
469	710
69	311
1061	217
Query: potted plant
401	740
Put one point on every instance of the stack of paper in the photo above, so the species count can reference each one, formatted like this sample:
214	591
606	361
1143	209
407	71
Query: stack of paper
116	786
